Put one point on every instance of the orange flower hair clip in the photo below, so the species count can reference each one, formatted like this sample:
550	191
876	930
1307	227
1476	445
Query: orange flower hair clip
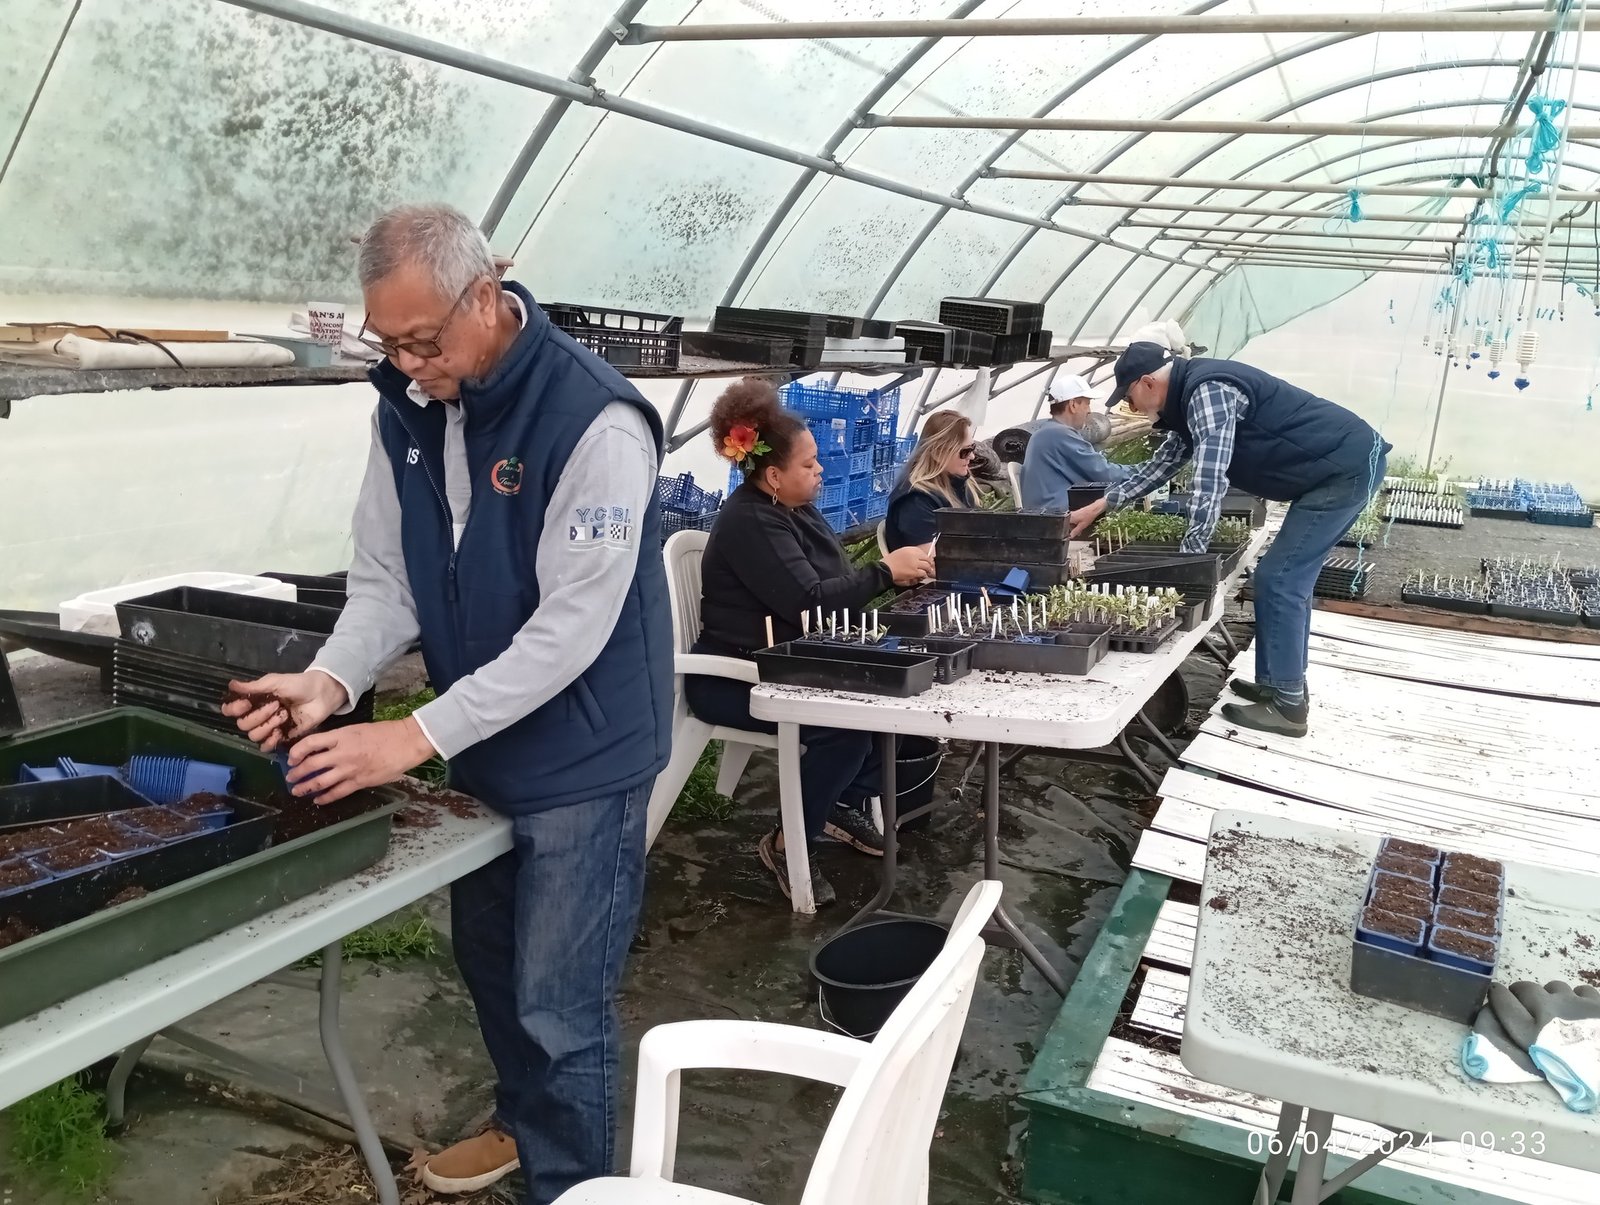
742	444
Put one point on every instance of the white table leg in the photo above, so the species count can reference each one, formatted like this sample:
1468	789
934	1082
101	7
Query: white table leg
792	810
1278	1155
344	1077
1313	1158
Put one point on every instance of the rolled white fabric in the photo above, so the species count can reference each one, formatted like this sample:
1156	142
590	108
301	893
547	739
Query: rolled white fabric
77	352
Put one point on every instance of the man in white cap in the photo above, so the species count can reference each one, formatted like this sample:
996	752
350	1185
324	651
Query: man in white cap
1059	456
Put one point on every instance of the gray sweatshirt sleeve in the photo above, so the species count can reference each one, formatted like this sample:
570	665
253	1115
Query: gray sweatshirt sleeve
380	619
582	585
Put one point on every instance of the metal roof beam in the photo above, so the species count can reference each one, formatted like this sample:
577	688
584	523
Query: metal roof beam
1159	23
1136	125
1380	190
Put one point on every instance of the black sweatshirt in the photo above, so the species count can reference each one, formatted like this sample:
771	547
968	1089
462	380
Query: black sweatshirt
765	559
911	513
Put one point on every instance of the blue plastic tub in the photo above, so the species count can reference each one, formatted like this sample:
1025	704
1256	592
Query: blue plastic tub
1386	942
170	779
1460	962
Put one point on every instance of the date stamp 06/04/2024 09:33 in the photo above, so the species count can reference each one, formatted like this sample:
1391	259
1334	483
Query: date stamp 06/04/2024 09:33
1356	1146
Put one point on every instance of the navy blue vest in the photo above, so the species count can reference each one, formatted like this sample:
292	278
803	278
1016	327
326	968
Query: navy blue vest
1289	442
611	729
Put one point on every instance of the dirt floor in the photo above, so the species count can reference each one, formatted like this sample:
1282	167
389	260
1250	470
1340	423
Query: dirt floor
716	941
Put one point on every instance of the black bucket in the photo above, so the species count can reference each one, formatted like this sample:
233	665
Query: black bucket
864	972
915	770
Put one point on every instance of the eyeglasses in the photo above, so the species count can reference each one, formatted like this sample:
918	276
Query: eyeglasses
423	349
967	452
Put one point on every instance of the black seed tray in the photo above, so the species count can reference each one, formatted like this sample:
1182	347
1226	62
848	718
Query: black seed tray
739	348
995	548
1562	518
961	570
843	667
952	656
73	896
1181	570
1052	655
1079	496
1421	598
1193	612
1004	524
1143	644
259	633
1534	614
995	315
1495	512
1591	619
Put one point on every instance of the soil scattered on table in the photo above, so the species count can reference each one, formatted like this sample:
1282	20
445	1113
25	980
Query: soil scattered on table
417	816
203	803
1218	903
126	896
1592	978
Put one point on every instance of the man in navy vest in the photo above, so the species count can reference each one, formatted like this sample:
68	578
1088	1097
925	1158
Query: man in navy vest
1270	438
508	519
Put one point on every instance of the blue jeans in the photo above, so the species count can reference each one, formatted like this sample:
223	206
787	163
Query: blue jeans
540	936
1287	575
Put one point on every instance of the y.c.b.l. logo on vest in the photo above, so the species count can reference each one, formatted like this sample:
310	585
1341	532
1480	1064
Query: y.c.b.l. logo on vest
507	476
601	525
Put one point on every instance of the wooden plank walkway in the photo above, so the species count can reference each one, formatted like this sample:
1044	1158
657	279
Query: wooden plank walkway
1475	742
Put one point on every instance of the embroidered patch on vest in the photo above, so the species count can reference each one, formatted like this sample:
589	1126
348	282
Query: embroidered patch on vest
507	476
601	525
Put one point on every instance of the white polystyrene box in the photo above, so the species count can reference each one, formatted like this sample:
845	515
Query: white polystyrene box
96	610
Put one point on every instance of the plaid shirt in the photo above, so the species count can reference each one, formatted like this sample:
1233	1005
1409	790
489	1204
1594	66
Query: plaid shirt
1215	409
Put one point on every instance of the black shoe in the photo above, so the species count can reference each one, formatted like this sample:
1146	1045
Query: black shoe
1257	693
854	827
775	860
1272	717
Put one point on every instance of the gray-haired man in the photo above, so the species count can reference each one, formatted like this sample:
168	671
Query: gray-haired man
508	518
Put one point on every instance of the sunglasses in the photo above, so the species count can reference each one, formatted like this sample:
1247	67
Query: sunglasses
967	452
422	349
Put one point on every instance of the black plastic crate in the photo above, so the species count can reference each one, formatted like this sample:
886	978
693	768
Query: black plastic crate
624	338
1533	614
1050	655
319	590
808	331
1039	344
1079	496
952	656
961	569
994	315
1180	570
1008	349
927	342
860	669
1561	518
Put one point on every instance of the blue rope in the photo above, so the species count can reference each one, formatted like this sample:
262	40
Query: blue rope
1354	214
1544	137
1513	200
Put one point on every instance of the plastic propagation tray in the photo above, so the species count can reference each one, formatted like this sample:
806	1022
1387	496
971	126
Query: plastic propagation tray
1147	642
1047	574
1005	524
1002	547
1534	614
1424	598
1181	570
85	953
952	657
232	629
860	669
1046	653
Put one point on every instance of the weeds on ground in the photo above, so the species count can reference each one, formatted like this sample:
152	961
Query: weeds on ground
398	938
57	1138
699	799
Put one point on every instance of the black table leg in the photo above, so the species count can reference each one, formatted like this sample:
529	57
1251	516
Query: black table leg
889	749
991	868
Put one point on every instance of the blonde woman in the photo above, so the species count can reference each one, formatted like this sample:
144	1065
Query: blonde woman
935	478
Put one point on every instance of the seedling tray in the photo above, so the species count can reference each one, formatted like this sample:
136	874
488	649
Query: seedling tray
1562	518
993	571
104	944
1467	606
1049	656
952	657
320	590
1231	555
855	668
30	803
1148	643
261	633
1192	612
1235	503
1497	512
1533	614
1079	496
1177	569
988	549
1006	524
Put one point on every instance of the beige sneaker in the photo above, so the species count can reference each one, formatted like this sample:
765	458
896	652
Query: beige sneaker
472	1164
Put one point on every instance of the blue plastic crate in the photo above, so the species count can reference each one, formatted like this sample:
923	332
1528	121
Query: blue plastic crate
833	436
863	435
817	401
735	478
673	521
834	496
836	517
883	479
859	489
877	507
860	463
903	447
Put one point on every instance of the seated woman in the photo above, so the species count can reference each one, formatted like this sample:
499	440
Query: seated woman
772	558
935	478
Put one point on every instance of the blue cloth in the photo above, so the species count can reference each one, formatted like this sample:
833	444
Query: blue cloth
540	935
1286	576
836	763
611	729
911	512
1058	456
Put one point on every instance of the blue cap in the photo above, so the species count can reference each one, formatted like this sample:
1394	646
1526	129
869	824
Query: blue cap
1137	360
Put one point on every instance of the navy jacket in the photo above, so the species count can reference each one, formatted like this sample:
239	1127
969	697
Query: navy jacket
611	729
1289	442
910	519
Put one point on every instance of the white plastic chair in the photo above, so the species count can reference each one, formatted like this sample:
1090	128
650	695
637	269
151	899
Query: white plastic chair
883	537
690	734
875	1151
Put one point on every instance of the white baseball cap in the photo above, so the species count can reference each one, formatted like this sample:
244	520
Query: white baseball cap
1069	386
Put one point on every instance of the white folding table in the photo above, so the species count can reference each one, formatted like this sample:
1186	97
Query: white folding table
125	1014
1271	1011
1051	711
